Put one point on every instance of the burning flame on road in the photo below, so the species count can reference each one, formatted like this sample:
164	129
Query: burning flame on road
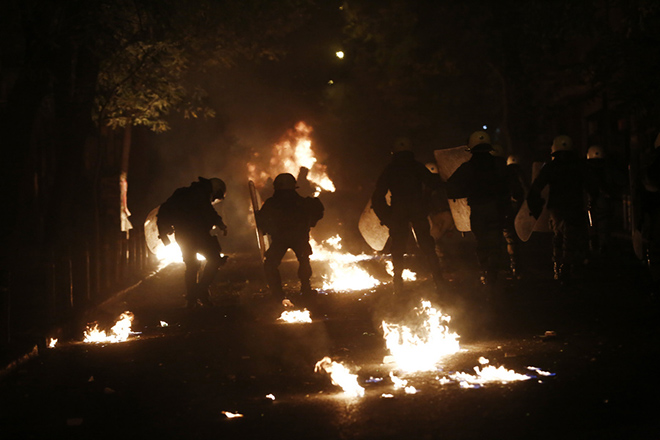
340	376
487	374
295	316
407	274
345	274
118	333
422	346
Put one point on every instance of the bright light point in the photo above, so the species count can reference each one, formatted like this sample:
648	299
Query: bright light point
331	82
485	127
52	342
340	54
270	396
163	324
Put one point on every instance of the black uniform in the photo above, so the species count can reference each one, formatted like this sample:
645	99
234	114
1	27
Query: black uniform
650	199
518	188
567	180
190	215
603	194
407	180
483	180
288	217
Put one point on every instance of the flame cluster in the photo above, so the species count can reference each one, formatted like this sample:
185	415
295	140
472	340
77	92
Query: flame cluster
118	333
421	346
288	156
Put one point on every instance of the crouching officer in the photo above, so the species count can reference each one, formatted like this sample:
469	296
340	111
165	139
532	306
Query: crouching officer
190	215
288	217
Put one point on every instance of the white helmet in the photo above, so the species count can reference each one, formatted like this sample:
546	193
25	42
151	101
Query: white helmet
512	159
402	144
561	143
478	138
595	152
432	167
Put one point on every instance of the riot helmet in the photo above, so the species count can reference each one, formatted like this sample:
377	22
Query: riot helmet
479	141
401	144
595	152
561	143
218	188
513	159
432	167
284	181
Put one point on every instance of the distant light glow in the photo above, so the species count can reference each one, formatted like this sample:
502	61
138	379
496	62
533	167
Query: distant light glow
340	54
331	82
485	127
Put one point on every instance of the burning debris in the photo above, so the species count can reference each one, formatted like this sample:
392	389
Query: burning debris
487	374
340	376
295	317
421	346
118	333
345	274
52	342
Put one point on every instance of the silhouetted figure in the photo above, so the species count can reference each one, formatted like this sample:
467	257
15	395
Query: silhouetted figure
190	215
518	188
406	180
566	177
288	217
483	180
603	195
439	214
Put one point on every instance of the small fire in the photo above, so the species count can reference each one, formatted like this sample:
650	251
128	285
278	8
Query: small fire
118	333
288	156
423	346
345	274
52	342
402	383
295	316
487	374
340	376
171	253
407	274
231	415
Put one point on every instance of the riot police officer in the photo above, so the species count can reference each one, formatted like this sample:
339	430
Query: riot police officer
288	217
483	181
190	215
407	180
567	181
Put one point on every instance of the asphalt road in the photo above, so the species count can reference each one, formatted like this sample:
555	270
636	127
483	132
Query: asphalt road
181	370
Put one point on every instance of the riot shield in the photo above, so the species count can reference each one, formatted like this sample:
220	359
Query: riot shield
525	223
262	239
154	243
372	231
448	161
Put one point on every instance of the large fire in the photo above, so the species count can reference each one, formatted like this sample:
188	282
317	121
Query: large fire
340	376
118	333
289	156
423	344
